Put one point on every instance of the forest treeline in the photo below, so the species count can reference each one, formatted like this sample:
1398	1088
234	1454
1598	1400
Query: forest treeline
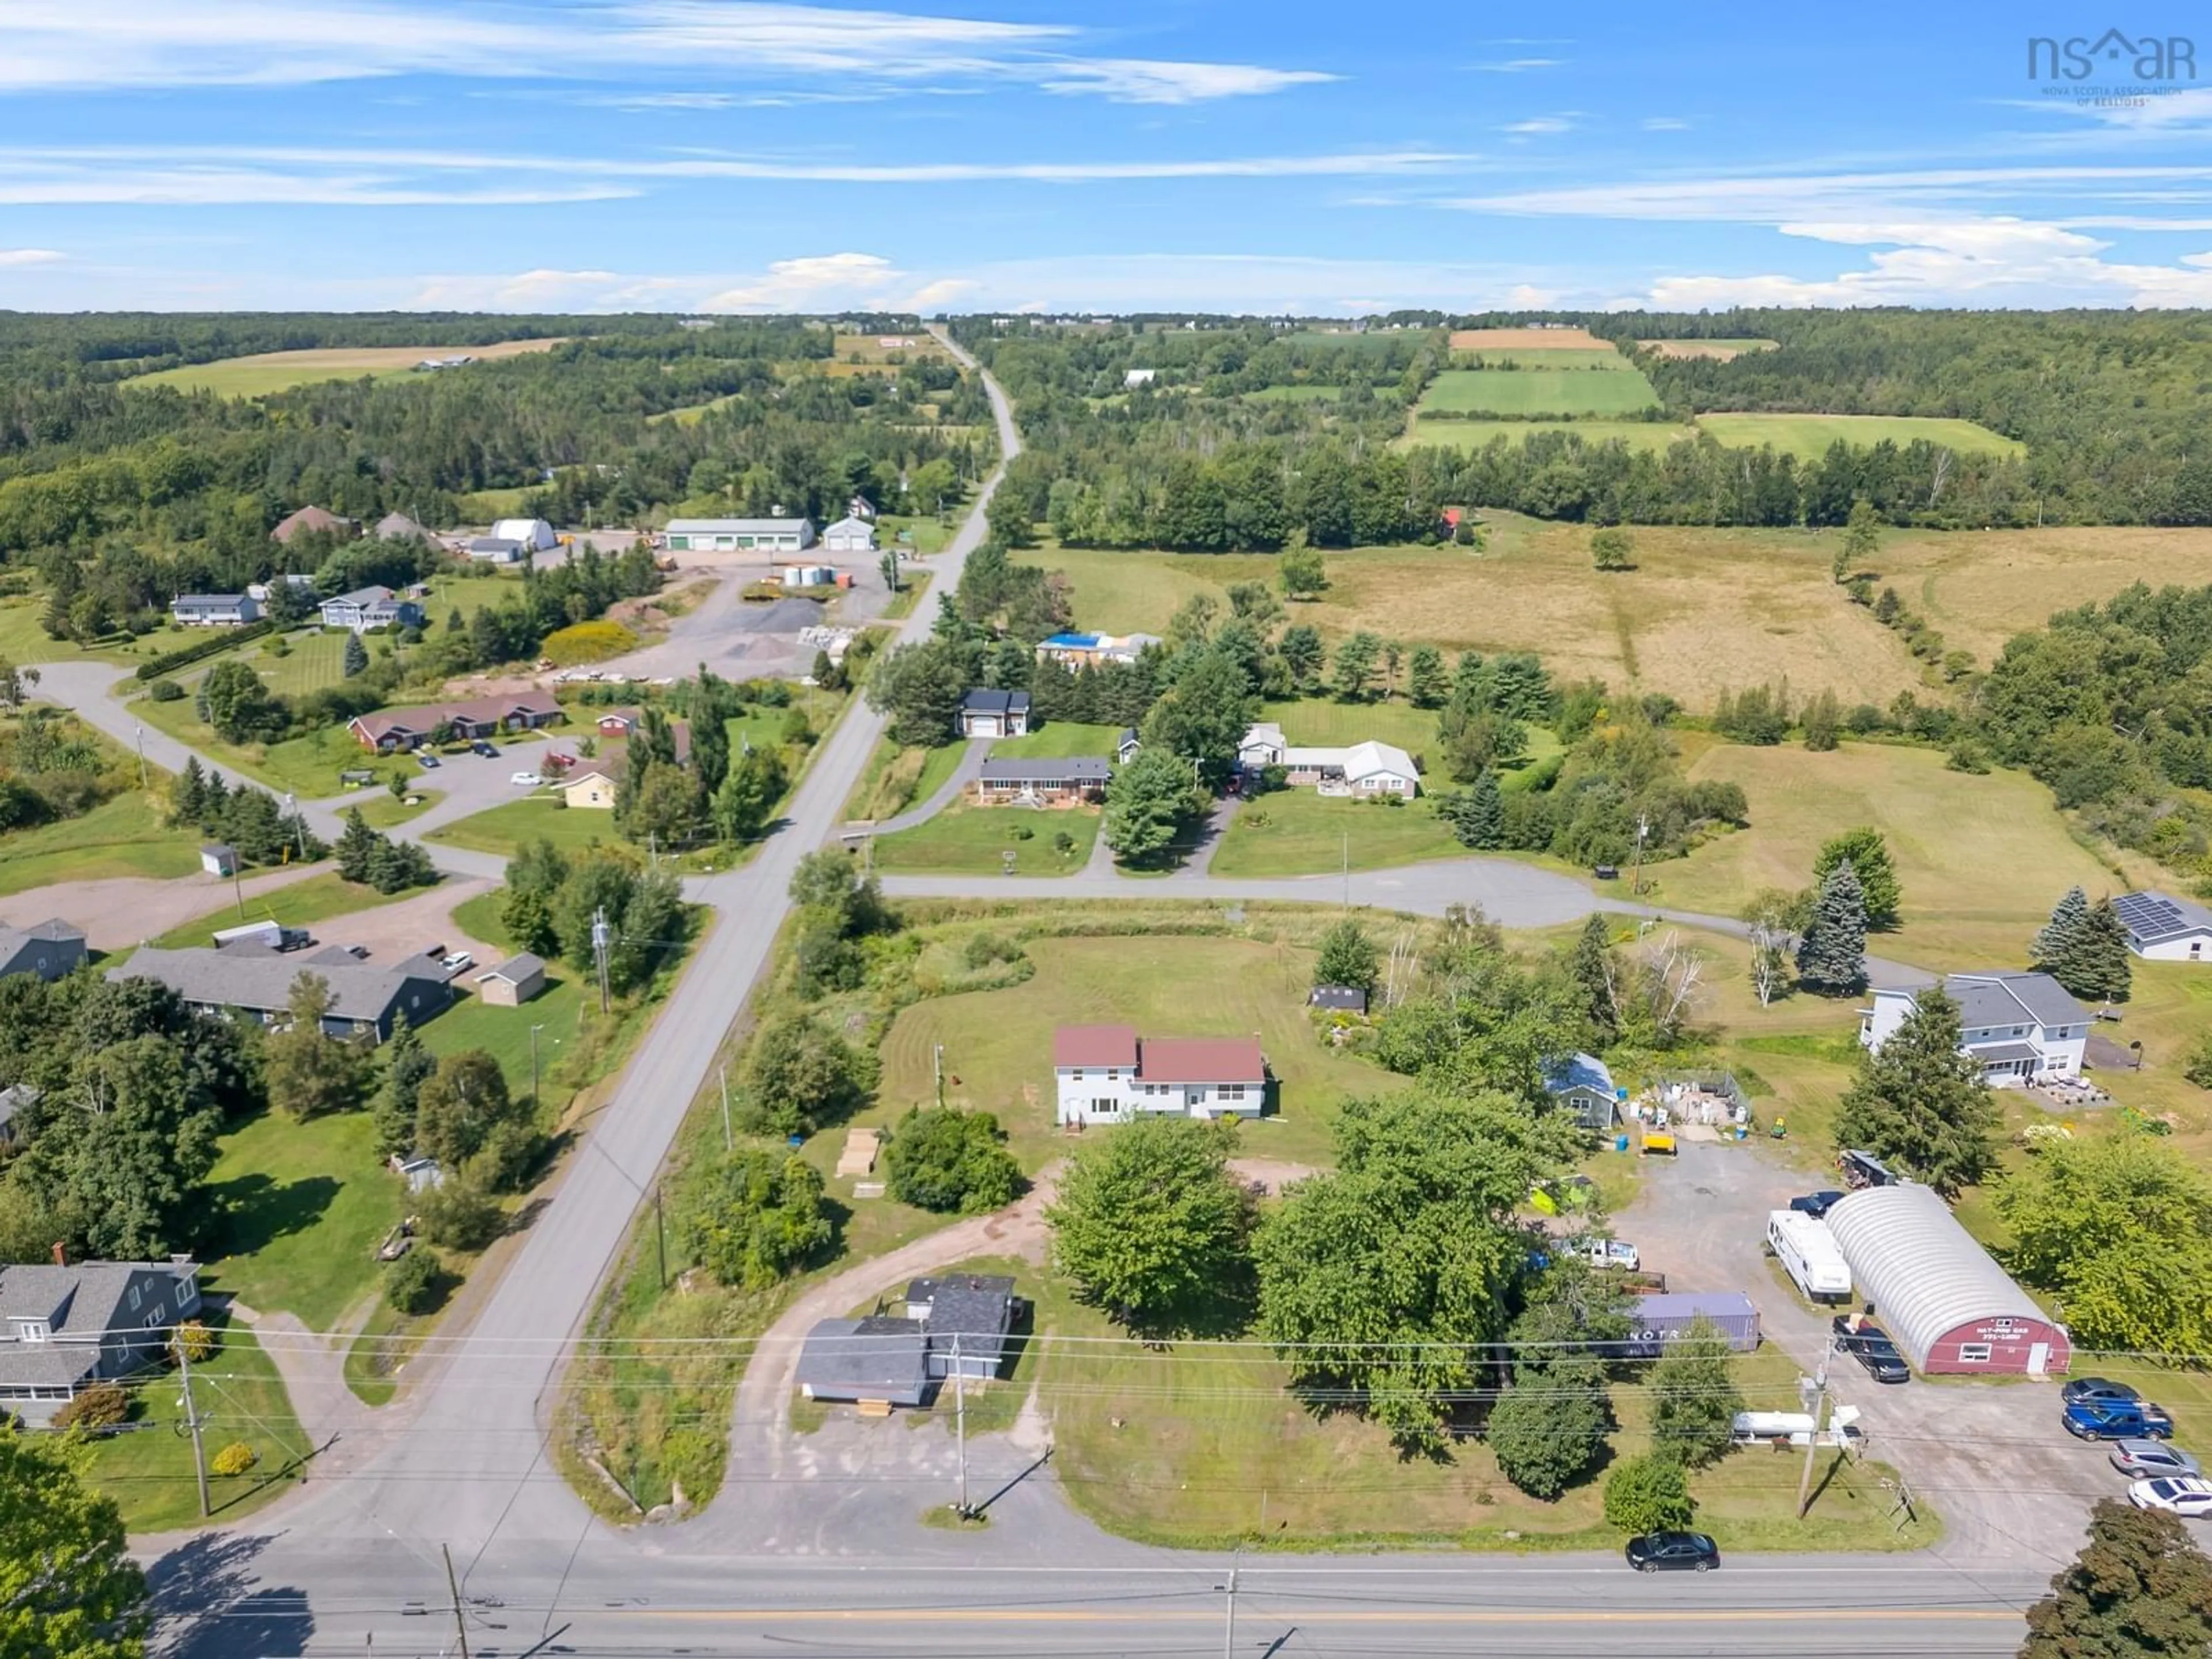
199	480
2108	405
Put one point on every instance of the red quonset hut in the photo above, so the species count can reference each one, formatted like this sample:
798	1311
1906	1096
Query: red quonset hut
1944	1302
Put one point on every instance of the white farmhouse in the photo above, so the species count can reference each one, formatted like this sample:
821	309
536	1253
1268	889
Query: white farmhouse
1109	1074
2163	928
1364	770
534	534
2021	1027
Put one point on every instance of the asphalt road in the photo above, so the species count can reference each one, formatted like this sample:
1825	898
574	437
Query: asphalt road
354	1562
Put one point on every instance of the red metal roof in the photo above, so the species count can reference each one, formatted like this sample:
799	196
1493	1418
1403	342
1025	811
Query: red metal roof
1095	1045
1202	1060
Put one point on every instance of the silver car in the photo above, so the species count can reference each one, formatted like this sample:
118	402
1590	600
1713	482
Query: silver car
2147	1460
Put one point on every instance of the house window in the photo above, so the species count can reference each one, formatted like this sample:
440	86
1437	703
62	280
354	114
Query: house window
134	1294
1973	1354
1075	1074
1232	1091
1113	1074
31	1330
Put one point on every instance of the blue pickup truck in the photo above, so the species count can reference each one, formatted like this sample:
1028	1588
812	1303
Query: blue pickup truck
2117	1419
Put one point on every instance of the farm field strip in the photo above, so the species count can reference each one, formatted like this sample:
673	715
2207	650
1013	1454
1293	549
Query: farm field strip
1621	390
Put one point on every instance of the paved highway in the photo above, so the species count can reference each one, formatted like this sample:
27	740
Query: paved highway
839	1563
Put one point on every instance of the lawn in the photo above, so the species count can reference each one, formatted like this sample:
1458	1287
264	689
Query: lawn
1721	349
1061	740
929	535
264	372
1201	1445
504	1033
147	1469
301	904
1981	859
380	809
1809	436
1297	832
506	828
306	1205
1614	388
308	767
311	662
23	641
1468	435
1137	593
124	836
1307	393
1322	722
975	841
997	1044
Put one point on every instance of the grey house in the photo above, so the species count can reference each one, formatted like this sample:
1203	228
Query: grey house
967	1318
215	609
14	1100
371	607
1584	1089
956	1323
1043	780
364	998
64	1328
49	950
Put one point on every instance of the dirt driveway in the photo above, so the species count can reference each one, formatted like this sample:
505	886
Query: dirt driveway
411	926
128	910
1990	1457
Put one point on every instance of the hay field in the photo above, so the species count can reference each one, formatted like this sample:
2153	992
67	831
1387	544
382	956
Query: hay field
1807	436
1981	859
1473	434
1719	351
1608	390
264	372
871	348
1306	394
1982	588
1508	339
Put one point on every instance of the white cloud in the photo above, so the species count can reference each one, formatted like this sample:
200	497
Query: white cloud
74	44
1539	123
1519	66
29	255
1838	196
830	282
1665	123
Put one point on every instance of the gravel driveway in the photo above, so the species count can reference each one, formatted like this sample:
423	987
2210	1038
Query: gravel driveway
1990	1457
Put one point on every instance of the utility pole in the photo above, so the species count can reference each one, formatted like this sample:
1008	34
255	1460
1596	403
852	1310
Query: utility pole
600	939
237	885
460	1623
534	1030
1819	1403
1229	1631
653	846
937	1060
660	1233
191	1414
292	805
960	1424
141	730
1635	874
729	1142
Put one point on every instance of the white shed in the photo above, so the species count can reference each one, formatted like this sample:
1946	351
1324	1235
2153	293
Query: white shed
850	534
535	534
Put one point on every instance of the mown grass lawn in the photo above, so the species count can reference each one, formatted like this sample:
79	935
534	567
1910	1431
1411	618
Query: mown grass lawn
976	840
1297	832
313	660
1610	387
505	828
309	767
380	809
1060	740
147	1469
1808	437
301	904
1653	435
306	1205
124	836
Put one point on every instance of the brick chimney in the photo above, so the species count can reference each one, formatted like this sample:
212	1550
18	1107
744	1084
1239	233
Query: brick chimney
61	1254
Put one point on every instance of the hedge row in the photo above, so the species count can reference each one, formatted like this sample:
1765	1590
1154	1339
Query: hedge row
168	661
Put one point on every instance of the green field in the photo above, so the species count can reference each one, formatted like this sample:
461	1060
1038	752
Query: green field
1575	357
301	904
124	836
1614	389
308	767
1469	436
976	840
265	372
895	778
313	661
1375	341
1809	436
1136	592
1298	832
506	828
1320	722
1060	740
304	1205
1295	394
148	1468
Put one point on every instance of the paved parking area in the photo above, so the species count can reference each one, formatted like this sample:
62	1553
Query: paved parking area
1991	1457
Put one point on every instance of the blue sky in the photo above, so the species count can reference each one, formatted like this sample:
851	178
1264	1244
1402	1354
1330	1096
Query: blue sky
1005	155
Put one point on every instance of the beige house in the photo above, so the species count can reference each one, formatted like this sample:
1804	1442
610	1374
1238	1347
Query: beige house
593	789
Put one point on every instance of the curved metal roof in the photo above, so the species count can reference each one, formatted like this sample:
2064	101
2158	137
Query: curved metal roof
1921	1270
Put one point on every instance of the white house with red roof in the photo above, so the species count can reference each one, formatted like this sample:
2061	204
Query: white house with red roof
1109	1074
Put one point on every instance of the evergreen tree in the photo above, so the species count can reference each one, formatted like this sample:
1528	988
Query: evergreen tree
1356	660
710	748
357	848
355	659
2106	971
2141	1589
188	796
407	1063
1591	968
1477	817
1831	953
2057	946
1427	683
1694	1397
1920	1104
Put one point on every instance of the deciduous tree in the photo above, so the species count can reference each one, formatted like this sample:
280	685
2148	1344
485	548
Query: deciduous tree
68	1588
1146	804
1867	851
759	1218
1647	1494
799	1075
1150	1225
2141	1589
946	1159
1302	572
1346	957
310	1072
1694	1397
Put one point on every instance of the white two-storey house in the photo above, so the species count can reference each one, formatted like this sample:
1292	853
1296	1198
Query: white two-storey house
1109	1074
2022	1027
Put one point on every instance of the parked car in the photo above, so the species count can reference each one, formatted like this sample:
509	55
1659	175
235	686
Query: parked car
479	747
1673	1552
2185	1495
2147	1460
2098	1388
426	760
1870	1345
1815	1204
525	780
2090	1419
456	961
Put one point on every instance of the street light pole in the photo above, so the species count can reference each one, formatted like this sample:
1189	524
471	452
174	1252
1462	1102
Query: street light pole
141	730
534	1030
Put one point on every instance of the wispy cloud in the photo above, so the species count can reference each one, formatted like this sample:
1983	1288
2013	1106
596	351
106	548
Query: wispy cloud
210	175
1518	65
1665	123
30	256
55	46
1536	125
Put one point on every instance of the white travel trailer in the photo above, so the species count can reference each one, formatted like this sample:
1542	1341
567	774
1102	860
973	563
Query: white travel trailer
1809	1254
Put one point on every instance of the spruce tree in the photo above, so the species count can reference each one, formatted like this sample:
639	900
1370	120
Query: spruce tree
1920	1104
1832	955
1591	967
358	845
2057	945
355	661
2107	971
1486	811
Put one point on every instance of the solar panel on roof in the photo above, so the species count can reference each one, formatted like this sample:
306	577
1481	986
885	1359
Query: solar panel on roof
2149	914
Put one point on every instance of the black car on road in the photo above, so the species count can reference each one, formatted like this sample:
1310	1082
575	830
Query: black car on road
1815	1204
2097	1391
1870	1345
1672	1552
